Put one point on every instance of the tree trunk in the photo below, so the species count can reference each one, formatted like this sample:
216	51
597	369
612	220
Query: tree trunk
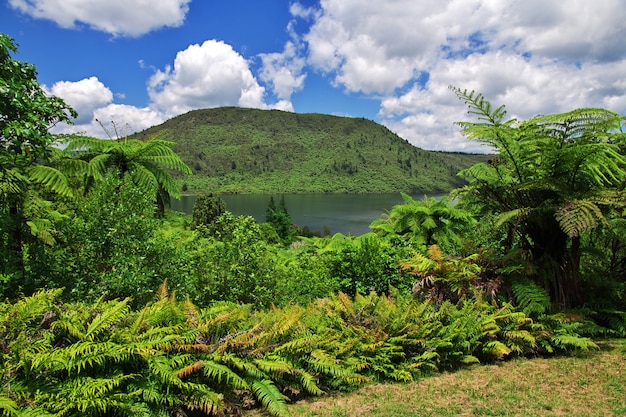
557	258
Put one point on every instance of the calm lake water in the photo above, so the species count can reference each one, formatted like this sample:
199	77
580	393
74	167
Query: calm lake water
341	213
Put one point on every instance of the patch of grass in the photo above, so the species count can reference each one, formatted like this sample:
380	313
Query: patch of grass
585	384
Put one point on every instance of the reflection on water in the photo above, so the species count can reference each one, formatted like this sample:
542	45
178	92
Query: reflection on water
341	213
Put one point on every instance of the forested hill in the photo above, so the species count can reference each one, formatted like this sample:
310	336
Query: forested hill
233	149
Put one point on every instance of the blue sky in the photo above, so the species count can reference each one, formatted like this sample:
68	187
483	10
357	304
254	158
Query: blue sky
140	62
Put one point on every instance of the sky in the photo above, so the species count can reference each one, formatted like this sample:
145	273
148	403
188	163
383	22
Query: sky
132	64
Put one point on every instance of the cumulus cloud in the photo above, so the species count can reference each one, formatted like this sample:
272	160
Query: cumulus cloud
207	75
202	76
283	73
117	17
93	101
84	96
536	57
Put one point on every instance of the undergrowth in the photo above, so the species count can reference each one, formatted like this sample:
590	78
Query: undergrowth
173	358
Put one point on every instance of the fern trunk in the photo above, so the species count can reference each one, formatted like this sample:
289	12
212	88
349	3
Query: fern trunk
557	258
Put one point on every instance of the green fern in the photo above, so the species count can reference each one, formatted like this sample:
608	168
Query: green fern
7	405
530	297
270	397
578	216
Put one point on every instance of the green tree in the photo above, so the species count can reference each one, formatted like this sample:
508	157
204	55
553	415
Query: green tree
109	249
553	180
279	218
146	162
206	210
26	115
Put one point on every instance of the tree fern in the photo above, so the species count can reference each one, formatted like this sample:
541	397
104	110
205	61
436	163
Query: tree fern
545	181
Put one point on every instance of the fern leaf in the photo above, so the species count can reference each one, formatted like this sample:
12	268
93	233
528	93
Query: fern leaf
190	369
7	405
531	298
568	341
497	349
218	372
309	383
41	229
578	216
110	315
270	397
51	178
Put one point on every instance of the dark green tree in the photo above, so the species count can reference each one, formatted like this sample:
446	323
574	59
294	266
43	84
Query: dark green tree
26	182
554	180
206	210
279	218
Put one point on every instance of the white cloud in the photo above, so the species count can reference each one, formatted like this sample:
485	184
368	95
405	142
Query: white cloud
283	73
117	17
207	75
534	56
84	96
93	101
121	120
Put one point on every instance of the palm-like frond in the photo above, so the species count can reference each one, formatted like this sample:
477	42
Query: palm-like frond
51	178
147	162
270	397
112	312
578	216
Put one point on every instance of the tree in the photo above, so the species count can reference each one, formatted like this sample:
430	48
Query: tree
554	179
279	218
146	162
26	115
206	210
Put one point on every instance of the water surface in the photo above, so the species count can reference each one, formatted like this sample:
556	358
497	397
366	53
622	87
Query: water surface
340	213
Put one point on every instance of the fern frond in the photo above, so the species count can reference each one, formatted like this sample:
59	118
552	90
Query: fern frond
190	369
274	366
41	229
568	341
496	349
578	216
270	397
309	383
531	298
7	405
51	178
112	313
321	362
204	399
218	372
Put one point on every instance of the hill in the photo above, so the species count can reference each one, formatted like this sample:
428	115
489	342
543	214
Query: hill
239	150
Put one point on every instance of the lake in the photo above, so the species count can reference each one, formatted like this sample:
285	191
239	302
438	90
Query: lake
350	214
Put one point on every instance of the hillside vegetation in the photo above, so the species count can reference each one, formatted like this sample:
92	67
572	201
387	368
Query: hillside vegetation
270	151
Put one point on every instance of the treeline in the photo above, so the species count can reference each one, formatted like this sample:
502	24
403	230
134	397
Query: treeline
114	305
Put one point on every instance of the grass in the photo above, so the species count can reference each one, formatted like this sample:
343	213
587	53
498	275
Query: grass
584	384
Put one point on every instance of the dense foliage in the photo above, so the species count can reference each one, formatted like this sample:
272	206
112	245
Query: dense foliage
113	306
238	150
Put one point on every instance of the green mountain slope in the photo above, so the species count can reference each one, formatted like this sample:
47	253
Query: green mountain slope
233	149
